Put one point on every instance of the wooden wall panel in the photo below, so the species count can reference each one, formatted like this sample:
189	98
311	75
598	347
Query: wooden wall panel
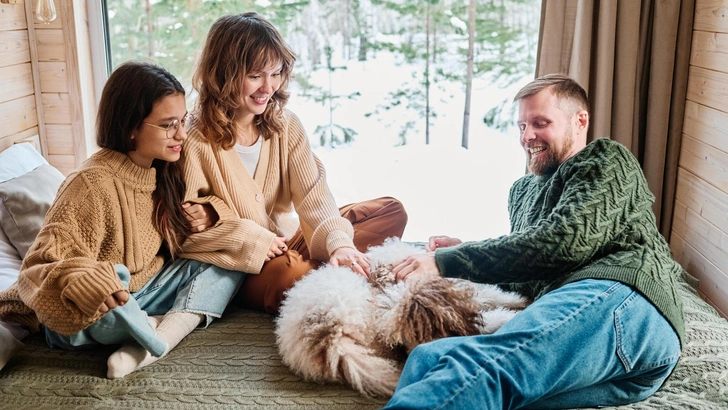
56	108
29	134
64	163
705	199
708	87
711	242
17	82
711	15
707	125
699	237
51	46
82	96
60	139
14	47
12	16
713	282
709	50
38	98
701	159
17	115
53	78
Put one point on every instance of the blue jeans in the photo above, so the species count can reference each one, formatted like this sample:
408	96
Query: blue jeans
183	285
589	343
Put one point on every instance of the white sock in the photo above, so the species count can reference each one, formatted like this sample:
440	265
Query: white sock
9	344
155	320
172	329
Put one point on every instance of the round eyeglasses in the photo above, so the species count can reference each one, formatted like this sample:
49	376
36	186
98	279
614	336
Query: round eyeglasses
173	127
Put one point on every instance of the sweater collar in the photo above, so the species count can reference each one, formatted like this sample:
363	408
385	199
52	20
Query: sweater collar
125	168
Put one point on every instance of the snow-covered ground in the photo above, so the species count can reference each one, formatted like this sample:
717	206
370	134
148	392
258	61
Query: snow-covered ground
445	188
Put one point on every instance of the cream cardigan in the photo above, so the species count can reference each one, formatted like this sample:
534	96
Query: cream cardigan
253	209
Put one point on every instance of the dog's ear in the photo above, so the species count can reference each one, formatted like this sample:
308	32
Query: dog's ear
430	309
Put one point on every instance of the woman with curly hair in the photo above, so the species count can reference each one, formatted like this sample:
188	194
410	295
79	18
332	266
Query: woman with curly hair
250	159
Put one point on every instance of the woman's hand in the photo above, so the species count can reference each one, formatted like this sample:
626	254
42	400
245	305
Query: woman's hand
357	261
277	247
441	241
114	300
200	216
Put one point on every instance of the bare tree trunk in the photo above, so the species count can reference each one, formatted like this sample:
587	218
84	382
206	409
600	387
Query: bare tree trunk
150	30
361	17
427	77
346	31
469	78
362	47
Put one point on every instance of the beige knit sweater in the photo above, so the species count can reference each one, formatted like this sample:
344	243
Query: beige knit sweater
101	216
253	209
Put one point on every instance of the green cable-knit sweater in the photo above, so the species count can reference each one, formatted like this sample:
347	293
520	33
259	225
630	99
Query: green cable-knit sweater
591	218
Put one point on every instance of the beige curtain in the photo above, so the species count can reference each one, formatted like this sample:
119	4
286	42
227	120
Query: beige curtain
632	57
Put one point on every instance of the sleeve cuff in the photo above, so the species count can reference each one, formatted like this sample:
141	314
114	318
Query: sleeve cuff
336	240
90	290
443	259
222	210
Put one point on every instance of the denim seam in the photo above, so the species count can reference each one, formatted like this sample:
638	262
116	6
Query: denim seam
147	291
481	370
623	357
193	287
626	361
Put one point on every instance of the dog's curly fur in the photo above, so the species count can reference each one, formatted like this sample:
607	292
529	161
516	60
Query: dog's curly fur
336	326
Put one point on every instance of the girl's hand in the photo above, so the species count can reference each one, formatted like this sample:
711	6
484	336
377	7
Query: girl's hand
114	300
200	216
277	247
357	261
441	241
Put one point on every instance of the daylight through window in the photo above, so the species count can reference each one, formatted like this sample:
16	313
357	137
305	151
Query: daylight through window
380	86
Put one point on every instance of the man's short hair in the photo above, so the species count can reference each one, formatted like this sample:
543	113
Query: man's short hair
565	88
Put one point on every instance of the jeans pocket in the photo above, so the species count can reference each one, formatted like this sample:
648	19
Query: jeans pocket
647	345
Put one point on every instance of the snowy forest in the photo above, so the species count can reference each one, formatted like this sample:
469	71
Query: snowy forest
404	98
442	41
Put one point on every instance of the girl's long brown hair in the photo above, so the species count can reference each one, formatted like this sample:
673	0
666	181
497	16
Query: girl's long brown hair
127	99
237	45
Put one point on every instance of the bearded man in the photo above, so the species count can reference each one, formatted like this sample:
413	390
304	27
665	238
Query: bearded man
606	324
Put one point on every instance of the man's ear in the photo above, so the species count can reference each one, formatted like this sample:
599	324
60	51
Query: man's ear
582	120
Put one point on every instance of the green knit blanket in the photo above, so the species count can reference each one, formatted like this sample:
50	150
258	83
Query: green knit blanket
234	364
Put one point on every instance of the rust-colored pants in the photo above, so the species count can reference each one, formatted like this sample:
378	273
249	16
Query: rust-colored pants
373	221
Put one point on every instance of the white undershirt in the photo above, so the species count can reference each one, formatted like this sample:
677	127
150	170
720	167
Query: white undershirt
250	155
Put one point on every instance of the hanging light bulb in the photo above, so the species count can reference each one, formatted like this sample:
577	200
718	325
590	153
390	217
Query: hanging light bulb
45	11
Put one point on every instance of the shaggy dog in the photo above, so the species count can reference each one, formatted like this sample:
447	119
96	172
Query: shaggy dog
336	326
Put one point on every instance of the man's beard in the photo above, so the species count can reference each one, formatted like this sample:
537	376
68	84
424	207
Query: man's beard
553	158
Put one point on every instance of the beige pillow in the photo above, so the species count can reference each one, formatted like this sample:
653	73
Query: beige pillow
24	202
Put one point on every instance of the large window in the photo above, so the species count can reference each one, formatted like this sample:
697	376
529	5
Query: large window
380	86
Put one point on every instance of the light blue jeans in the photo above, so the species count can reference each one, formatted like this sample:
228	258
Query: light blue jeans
183	285
589	343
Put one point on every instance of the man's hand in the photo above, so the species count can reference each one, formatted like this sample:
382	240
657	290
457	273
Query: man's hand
114	300
357	261
415	266
441	241
200	216
277	247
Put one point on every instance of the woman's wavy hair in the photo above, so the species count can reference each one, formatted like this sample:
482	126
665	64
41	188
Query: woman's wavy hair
128	98
237	45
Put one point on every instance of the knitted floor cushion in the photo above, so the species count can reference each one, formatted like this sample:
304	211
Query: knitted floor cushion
234	364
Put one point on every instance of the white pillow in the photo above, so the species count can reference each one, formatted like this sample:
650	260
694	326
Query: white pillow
15	161
9	262
19	159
